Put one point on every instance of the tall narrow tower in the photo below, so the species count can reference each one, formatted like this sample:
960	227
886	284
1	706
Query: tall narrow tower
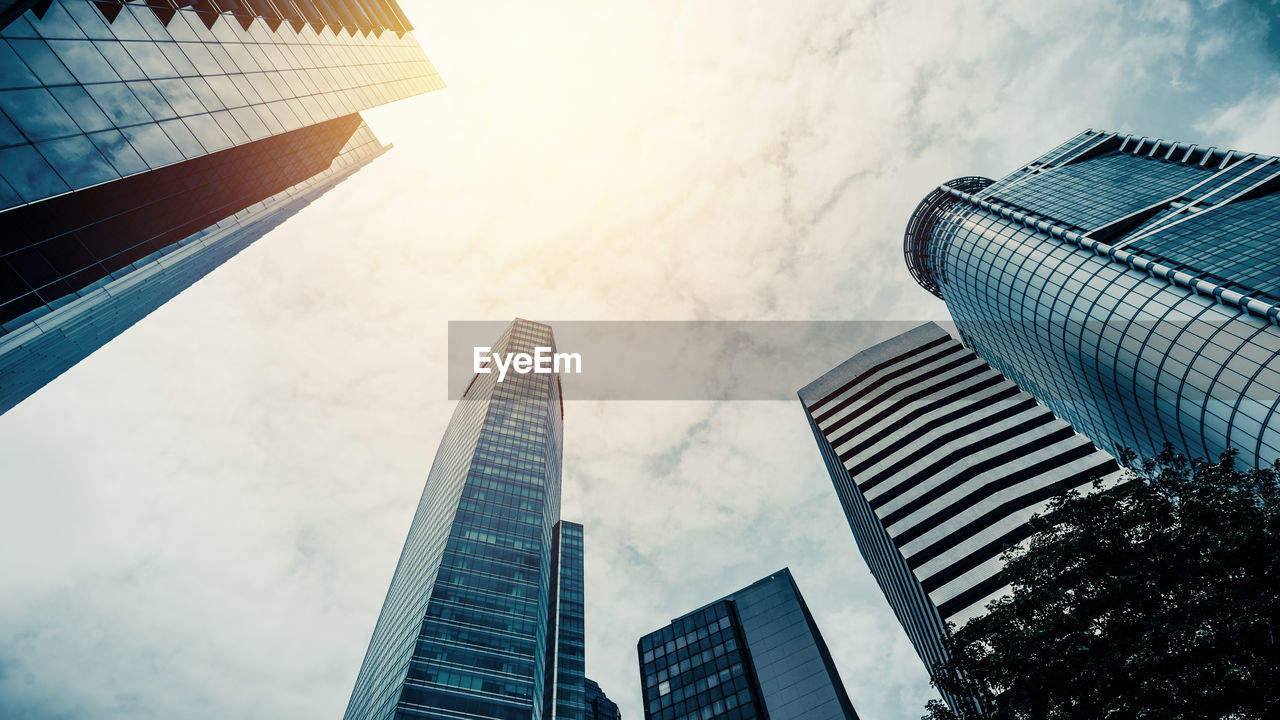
142	145
464	629
566	659
1132	285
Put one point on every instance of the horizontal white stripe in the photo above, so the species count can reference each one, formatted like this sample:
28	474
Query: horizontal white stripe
979	574
878	376
910	428
953	524
963	615
908	474
1016	444
878	380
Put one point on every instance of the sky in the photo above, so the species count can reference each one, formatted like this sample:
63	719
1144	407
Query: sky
201	519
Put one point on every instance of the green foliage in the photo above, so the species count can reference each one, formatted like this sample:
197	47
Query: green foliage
1155	598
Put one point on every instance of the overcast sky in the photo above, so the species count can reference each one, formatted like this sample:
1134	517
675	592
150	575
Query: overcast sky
201	520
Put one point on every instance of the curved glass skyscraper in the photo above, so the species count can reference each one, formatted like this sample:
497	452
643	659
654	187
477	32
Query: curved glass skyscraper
1132	285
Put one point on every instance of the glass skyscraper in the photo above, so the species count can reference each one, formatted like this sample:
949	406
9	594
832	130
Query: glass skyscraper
566	662
939	463
141	145
755	653
484	616
1131	284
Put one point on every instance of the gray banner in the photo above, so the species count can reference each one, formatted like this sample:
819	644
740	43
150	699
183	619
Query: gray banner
684	360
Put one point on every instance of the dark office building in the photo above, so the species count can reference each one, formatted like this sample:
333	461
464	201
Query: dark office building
1132	285
599	706
939	463
756	653
143	144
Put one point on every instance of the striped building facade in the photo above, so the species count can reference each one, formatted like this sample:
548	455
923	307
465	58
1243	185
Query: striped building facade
939	462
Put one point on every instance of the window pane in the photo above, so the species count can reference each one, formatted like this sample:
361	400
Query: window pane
47	67
84	60
37	114
119	103
152	144
29	174
81	107
76	160
118	150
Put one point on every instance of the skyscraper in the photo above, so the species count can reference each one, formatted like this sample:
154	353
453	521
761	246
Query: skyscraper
143	145
939	462
566	660
484	616
599	706
755	653
1132	285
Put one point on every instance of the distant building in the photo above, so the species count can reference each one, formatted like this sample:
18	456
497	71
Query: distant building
1131	285
755	653
599	706
566	651
939	462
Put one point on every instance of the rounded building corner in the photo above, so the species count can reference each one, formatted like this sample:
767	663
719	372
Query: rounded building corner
924	220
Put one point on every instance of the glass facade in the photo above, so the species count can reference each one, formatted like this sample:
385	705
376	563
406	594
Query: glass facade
566	664
128	130
34	351
1132	285
464	628
95	91
598	705
754	654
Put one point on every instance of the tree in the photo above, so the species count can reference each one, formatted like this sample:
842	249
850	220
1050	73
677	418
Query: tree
1158	597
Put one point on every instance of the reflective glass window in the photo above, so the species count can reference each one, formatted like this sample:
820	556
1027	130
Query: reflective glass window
206	94
208	132
152	100
8	196
29	174
118	150
182	138
118	102
151	60
9	134
181	64
77	161
47	67
13	72
89	19
120	59
84	61
152	144
81	107
56	23
37	114
179	95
